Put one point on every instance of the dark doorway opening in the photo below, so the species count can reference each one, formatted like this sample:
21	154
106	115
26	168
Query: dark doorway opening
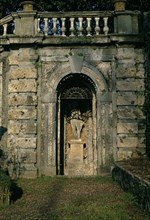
75	94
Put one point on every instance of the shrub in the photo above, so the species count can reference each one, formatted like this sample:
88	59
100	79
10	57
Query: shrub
5	188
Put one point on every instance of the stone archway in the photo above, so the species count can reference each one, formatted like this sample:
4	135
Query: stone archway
88	88
76	147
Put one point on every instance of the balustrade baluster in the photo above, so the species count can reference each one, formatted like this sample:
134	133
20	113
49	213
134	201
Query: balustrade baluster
88	27
72	27
38	25
97	28
46	26
14	27
5	29
63	29
54	26
80	27
106	28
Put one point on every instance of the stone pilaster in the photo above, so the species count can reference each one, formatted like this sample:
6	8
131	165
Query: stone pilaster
130	87
22	111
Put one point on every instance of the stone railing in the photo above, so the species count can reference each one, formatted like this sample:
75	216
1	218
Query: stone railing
77	24
62	24
7	25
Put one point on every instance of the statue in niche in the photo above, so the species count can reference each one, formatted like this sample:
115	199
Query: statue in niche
77	124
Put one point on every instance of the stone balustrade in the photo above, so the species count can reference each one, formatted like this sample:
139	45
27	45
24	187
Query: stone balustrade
70	23
75	23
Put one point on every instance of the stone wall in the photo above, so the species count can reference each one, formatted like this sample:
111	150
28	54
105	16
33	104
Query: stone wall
30	99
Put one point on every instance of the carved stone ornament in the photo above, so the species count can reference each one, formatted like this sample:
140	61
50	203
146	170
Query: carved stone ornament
120	5
27	6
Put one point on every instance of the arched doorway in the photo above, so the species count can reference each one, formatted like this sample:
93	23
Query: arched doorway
76	152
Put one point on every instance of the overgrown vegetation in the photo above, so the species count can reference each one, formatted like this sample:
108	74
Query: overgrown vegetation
62	198
5	188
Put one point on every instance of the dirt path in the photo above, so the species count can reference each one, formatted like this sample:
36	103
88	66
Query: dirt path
71	198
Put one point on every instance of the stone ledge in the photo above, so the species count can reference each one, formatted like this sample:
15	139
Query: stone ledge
134	177
67	40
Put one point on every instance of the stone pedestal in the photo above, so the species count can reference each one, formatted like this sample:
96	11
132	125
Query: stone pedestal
76	151
126	22
75	158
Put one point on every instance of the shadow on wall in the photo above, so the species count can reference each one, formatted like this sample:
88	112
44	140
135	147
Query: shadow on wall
16	191
2	131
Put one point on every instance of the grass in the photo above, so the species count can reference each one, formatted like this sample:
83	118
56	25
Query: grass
62	198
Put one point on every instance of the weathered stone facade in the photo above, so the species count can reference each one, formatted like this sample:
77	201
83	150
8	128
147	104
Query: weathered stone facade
41	77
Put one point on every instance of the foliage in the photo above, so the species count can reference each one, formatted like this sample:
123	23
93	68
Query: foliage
7	6
5	188
5	180
13	164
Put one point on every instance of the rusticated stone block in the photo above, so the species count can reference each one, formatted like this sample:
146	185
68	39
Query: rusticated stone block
127	98
29	174
124	154
22	143
140	73
21	73
130	85
22	85
22	113
123	128
21	127
125	53
29	171
58	58
27	155
130	112
141	127
27	54
127	141
126	72
49	51
22	99
139	56
141	140
131	98
141	98
13	58
126	63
